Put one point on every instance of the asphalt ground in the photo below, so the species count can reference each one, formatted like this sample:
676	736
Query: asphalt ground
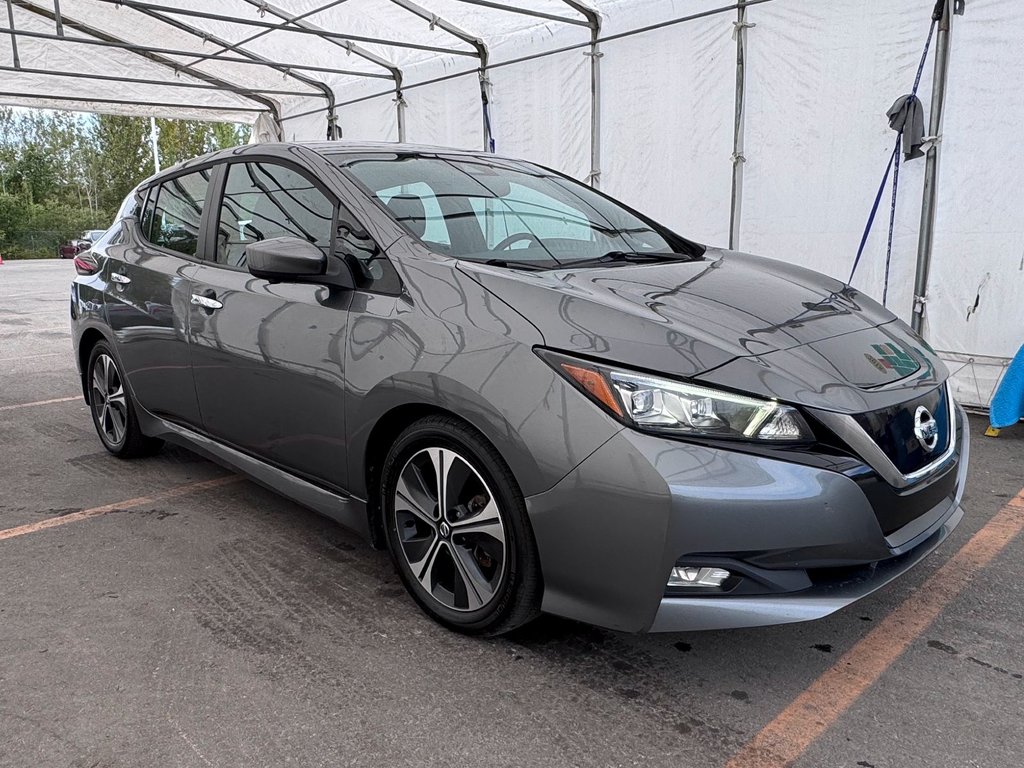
164	620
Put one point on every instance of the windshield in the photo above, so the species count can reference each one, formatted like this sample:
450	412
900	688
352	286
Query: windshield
492	210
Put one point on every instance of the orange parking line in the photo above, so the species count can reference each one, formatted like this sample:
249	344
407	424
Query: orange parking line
139	501
40	402
789	735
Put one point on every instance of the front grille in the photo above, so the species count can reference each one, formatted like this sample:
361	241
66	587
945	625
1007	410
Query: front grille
892	430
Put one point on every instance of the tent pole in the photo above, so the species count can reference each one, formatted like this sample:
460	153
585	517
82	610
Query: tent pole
154	134
595	109
594	22
525	12
736	206
926	236
57	17
479	47
14	36
400	106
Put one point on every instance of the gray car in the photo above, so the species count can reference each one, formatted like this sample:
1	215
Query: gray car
536	398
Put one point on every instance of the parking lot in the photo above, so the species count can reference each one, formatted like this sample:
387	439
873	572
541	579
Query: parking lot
178	615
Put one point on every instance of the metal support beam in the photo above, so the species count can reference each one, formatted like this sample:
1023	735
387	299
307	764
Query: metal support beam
14	36
57	17
594	22
325	89
96	100
157	56
136	47
138	5
350	48
347	45
526	12
741	25
479	46
264	32
177	83
400	105
926	235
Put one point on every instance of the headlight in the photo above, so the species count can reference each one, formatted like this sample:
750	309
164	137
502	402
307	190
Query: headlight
655	404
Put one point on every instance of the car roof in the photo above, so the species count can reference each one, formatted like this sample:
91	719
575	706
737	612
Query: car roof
323	148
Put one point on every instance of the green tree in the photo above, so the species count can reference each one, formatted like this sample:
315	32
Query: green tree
64	172
123	157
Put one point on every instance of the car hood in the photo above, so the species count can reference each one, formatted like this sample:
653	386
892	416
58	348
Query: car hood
741	321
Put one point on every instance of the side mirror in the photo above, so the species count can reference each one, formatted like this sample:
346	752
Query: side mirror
284	258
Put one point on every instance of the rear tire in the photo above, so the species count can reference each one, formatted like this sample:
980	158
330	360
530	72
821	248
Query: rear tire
466	552
113	412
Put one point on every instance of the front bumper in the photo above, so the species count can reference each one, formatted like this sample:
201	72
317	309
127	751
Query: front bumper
807	537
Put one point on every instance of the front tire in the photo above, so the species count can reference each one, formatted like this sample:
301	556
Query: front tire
113	412
457	529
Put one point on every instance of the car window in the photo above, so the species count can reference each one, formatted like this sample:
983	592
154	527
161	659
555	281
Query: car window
532	214
264	200
408	199
487	209
146	218
177	212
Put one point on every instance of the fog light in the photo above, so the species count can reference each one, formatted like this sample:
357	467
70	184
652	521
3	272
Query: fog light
692	576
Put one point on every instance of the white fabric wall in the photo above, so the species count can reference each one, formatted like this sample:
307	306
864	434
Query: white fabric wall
541	111
979	230
820	78
667	120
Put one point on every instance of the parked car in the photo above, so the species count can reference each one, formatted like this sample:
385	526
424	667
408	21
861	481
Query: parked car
84	242
536	398
89	237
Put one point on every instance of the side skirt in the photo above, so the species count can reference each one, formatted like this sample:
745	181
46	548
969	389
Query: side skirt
346	510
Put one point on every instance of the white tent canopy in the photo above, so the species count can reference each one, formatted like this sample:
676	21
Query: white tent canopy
641	97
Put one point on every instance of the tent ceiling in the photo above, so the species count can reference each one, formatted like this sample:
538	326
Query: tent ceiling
235	59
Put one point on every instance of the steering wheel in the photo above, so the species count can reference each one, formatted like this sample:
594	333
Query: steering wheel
513	239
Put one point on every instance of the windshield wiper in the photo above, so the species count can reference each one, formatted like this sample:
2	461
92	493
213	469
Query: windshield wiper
627	257
524	265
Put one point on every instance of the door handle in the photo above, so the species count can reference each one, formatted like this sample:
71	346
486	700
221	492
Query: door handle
206	302
117	277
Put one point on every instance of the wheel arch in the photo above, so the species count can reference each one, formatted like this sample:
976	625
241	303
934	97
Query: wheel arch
89	339
393	405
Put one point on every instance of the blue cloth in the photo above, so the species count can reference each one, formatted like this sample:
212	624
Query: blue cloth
1008	404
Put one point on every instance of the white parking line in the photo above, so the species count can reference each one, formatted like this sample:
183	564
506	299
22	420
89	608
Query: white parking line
39	402
30	357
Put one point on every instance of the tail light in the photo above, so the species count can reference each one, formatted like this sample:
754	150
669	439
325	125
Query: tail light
86	264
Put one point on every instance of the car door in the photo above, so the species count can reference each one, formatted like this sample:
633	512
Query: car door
268	356
148	291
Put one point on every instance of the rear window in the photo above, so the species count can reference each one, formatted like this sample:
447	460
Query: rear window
174	211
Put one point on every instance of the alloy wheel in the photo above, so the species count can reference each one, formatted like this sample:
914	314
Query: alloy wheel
450	529
109	404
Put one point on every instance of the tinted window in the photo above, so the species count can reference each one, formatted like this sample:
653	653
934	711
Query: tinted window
175	218
146	219
482	209
262	201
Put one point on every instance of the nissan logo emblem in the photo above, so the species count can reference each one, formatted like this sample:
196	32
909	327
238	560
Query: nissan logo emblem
926	429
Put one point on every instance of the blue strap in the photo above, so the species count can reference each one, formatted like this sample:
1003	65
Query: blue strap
892	219
894	162
874	208
487	125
